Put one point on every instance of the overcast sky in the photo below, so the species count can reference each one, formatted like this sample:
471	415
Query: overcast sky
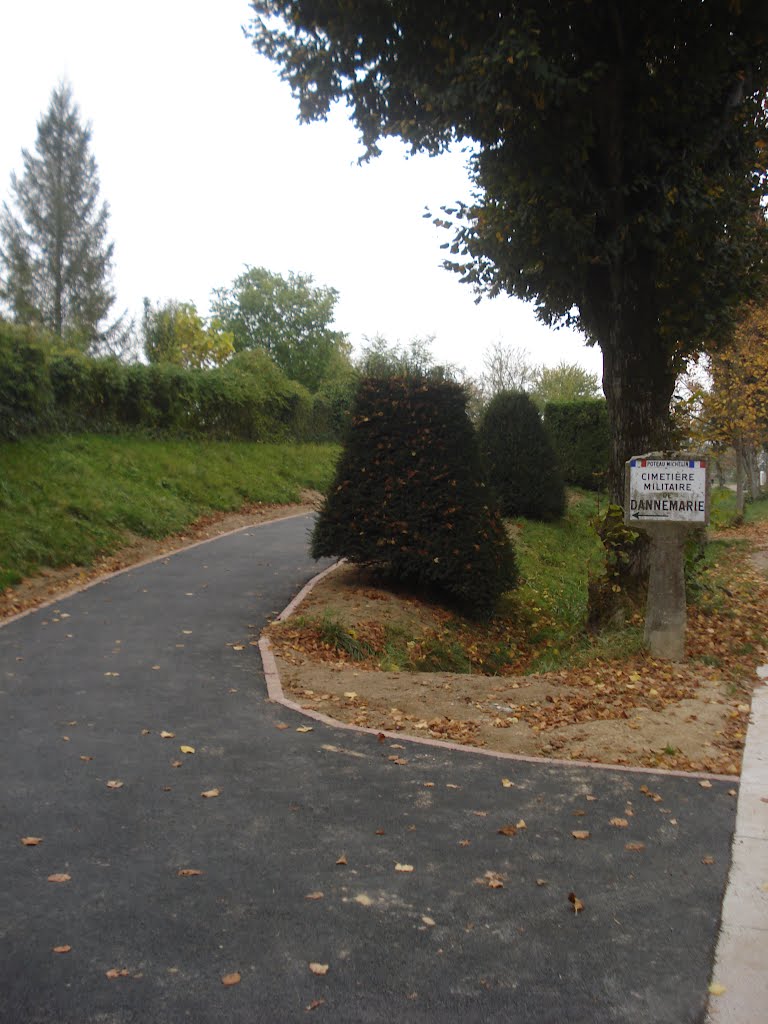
206	170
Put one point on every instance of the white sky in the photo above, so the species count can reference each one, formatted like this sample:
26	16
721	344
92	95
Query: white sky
206	169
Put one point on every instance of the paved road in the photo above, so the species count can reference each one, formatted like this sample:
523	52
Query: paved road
99	675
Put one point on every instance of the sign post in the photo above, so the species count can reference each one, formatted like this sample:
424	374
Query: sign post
666	494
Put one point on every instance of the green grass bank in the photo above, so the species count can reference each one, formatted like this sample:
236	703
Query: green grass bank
67	500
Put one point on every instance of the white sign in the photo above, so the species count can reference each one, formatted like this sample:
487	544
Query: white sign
667	491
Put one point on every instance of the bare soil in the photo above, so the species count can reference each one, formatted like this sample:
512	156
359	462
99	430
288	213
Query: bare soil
637	712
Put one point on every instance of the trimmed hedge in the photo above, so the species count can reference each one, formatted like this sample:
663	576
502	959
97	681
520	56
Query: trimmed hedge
520	460
581	437
43	390
409	496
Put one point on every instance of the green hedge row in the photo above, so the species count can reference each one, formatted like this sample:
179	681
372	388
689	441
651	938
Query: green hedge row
581	439
43	390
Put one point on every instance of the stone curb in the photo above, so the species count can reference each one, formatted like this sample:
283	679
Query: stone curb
741	960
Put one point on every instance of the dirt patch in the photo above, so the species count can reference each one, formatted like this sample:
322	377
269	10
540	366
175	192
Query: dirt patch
637	712
51	583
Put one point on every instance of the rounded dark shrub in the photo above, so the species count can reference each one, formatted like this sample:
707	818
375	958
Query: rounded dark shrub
520	460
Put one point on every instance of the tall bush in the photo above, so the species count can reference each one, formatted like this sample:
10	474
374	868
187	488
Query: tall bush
581	437
519	457
409	495
26	398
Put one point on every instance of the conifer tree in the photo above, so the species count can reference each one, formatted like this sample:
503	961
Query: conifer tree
54	252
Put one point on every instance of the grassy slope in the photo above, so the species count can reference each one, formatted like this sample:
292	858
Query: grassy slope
66	500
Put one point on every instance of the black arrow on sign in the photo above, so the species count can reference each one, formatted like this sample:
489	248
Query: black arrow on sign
647	515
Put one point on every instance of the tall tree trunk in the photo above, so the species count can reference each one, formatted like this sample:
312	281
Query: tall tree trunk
753	473
638	389
740	491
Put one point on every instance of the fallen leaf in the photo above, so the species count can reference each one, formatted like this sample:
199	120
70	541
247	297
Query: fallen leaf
429	785
705	784
314	896
619	822
117	972
62	949
580	834
397	760
507	830
321	969
282	725
187	632
305	728
231	979
165	735
634	846
716	989
709	859
480	814
364	899
238	647
176	764
452	785
210	793
541	881
314	1005
188	872
167	789
590	798
428	921
521	824
380	832
342	860
493	880
86	757
575	902
145	732
350	694
507	783
403	867
60	878
31	840
115	784
186	750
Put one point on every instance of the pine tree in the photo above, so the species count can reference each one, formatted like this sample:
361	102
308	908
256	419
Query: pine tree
55	256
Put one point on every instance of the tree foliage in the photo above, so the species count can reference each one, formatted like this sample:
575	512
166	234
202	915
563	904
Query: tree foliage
378	358
581	440
55	255
566	382
175	333
506	368
290	318
520	461
410	498
618	157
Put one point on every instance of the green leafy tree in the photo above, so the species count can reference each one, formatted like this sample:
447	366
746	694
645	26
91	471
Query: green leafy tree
409	497
566	382
618	157
380	359
506	369
175	333
290	318
520	459
55	256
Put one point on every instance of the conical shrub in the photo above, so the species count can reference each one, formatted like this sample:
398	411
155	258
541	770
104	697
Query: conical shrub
519	458
410	498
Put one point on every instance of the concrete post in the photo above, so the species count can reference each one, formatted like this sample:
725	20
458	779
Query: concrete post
665	614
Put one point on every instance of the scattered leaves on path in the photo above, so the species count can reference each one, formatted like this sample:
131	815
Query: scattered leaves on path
575	902
62	949
60	877
428	921
188	872
165	735
342	860
507	830
305	728
31	840
580	834
115	784
117	972
314	895
231	979
209	794
705	784
321	969
186	750
634	847
404	867
619	822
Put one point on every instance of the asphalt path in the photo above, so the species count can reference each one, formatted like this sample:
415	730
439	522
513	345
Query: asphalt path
480	929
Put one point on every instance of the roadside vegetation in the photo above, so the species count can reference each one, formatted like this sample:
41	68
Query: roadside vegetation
67	500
